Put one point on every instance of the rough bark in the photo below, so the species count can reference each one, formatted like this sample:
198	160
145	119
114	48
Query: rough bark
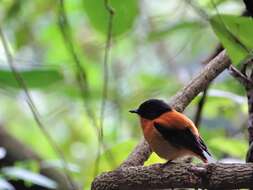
211	176
16	151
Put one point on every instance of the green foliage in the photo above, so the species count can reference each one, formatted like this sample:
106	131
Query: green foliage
111	158
225	146
235	33
189	26
125	15
33	77
212	4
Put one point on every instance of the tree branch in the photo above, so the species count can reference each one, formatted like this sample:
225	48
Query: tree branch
159	176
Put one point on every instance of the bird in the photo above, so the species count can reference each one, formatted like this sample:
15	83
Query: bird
170	134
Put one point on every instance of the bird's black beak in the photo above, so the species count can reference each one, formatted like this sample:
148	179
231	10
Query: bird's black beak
133	111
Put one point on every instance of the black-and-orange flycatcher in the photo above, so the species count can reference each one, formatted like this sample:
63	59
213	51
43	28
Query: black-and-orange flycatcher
169	133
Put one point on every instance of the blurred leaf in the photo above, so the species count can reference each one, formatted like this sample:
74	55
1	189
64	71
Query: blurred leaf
31	165
5	185
230	85
233	147
13	10
235	33
229	95
212	4
33	77
180	26
23	35
38	179
124	17
119	151
58	164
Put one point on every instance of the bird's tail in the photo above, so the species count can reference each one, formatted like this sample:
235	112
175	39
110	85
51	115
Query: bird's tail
207	158
205	154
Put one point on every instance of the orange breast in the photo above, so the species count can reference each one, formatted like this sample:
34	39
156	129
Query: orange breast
157	143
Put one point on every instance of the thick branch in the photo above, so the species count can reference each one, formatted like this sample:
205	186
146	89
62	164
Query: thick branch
158	176
182	99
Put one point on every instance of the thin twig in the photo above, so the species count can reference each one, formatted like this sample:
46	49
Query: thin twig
240	76
110	11
201	103
105	65
80	74
34	110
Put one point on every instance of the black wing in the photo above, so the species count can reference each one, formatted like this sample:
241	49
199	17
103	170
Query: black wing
183	138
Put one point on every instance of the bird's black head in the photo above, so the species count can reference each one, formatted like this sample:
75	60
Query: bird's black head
152	109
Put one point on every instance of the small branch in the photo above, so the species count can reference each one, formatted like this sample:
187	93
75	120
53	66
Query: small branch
110	11
250	119
197	119
81	75
105	65
158	176
238	75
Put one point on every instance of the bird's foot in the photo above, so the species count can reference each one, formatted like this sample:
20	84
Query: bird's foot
198	170
169	162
